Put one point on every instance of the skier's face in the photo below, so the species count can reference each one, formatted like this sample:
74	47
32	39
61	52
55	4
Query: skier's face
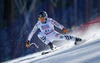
42	19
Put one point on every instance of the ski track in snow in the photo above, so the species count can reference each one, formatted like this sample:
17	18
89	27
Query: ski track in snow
88	52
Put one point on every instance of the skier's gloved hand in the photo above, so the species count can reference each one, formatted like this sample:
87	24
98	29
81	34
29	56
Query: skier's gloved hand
27	44
65	30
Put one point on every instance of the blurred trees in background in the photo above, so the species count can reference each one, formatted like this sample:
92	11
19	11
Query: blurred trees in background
17	18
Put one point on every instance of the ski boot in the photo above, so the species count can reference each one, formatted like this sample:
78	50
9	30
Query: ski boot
78	41
52	47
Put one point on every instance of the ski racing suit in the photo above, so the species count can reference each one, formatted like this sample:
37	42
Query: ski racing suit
48	33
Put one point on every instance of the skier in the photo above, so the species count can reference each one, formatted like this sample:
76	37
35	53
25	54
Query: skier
48	33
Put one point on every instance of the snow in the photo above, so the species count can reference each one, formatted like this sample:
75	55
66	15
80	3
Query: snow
88	52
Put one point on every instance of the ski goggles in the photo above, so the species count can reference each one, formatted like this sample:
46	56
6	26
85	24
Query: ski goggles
41	18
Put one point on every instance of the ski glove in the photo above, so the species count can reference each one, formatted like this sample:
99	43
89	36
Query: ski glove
27	44
65	30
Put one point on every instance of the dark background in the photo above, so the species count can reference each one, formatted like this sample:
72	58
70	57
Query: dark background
17	18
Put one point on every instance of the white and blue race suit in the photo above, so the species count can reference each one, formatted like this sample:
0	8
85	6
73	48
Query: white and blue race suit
48	33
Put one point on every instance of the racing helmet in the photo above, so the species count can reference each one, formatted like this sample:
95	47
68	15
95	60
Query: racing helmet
43	14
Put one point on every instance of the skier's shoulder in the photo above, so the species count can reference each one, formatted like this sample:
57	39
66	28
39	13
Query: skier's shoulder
38	22
49	19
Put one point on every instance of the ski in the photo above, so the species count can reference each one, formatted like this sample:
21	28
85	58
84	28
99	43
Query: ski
55	49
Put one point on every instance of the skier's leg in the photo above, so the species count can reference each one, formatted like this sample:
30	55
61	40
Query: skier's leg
59	36
44	39
75	39
68	37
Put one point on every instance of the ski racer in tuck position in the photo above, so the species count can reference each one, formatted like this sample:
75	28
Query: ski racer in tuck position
48	33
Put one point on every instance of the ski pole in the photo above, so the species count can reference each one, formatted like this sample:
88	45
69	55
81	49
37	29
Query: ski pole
34	45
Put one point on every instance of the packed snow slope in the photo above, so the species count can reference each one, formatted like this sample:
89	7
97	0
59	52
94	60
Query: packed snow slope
88	52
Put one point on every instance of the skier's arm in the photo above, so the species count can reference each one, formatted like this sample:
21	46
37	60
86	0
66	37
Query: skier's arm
55	23
35	28
30	36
